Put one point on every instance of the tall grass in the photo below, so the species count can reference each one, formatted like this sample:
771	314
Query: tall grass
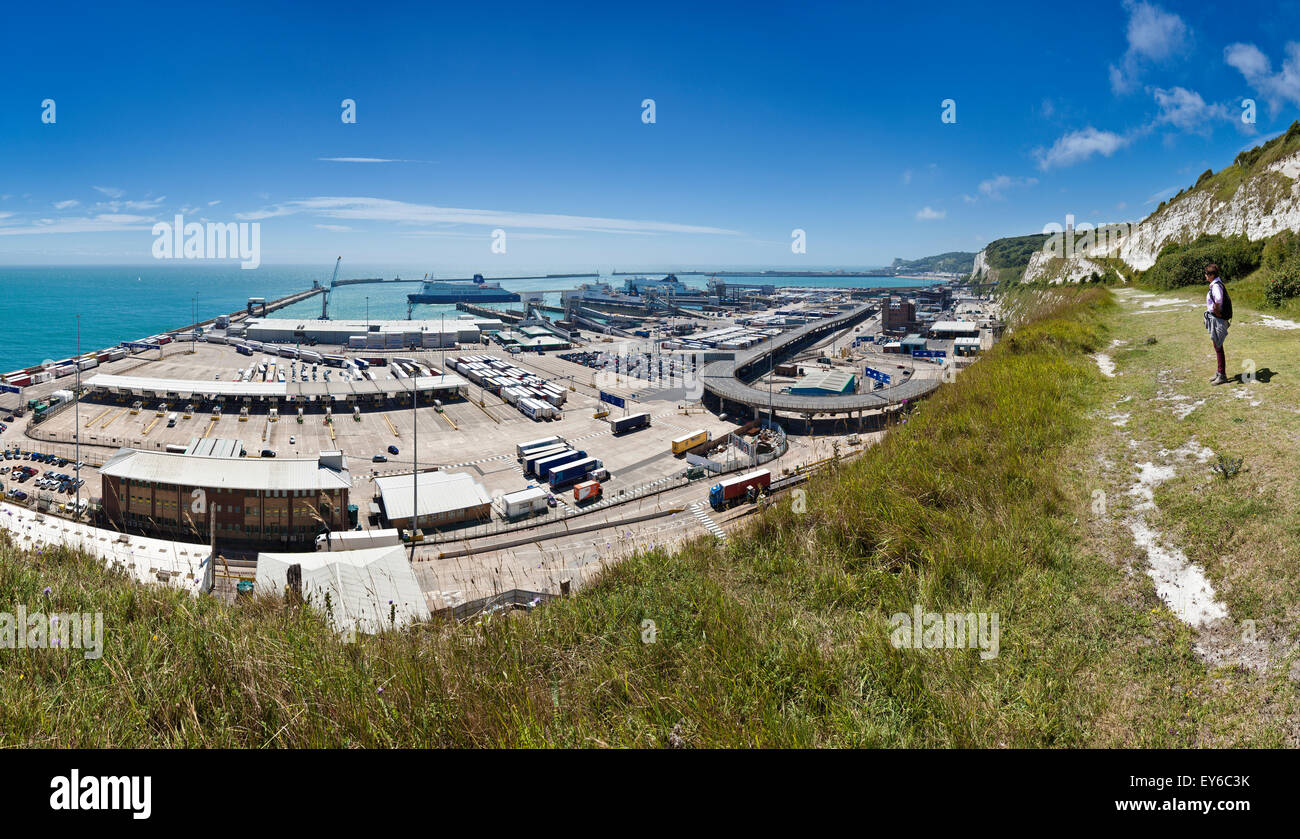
779	638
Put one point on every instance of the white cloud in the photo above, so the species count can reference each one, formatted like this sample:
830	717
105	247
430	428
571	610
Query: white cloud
214	203
1185	109
996	186
1167	192
907	176
337	228
1077	146
103	223
368	160
65	205
116	206
927	214
402	212
110	191
1255	67
1154	35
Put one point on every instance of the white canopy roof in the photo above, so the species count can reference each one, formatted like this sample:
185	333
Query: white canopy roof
365	586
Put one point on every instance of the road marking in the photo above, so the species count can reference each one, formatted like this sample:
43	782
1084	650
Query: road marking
697	510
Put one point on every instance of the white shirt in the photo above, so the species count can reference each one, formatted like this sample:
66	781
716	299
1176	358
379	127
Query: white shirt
1214	295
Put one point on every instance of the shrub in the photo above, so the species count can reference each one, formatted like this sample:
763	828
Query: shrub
1279	249
1184	265
1283	283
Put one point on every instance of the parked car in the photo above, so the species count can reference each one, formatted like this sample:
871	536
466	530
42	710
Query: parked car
379	458
392	449
268	453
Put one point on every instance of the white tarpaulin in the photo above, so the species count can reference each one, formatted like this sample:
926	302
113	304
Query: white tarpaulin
368	589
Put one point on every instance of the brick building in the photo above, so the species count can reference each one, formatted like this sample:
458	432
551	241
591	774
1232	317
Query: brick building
251	501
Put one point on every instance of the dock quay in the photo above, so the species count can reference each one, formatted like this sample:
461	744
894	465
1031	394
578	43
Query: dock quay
485	312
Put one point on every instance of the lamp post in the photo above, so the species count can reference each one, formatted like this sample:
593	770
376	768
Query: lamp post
76	410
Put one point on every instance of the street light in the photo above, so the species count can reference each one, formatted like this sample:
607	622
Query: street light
76	411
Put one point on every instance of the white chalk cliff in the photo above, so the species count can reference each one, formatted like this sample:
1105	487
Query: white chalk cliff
1262	205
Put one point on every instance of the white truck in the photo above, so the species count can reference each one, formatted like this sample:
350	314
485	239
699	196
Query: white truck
352	540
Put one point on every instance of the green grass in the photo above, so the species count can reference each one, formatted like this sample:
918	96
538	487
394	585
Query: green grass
780	638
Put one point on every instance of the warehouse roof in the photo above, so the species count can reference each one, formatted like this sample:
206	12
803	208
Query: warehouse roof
439	492
255	473
954	326
833	381
338	388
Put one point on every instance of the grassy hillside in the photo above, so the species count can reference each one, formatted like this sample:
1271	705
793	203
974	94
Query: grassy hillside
1008	258
1252	163
778	638
959	262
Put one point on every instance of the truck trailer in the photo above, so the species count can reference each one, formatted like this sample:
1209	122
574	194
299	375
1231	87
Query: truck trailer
689	441
531	445
729	491
587	491
545	467
572	473
630	422
531	459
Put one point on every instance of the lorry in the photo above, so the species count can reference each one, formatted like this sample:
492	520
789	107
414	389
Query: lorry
543	468
530	459
525	502
729	491
587	491
630	422
531	445
351	540
686	442
572	473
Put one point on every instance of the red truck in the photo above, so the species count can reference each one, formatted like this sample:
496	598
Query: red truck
726	493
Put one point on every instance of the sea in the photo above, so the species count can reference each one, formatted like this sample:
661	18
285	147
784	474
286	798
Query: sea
46	313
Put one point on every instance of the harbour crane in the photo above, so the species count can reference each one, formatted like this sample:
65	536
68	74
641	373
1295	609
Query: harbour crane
325	295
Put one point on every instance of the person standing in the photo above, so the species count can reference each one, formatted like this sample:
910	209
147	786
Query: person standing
1218	313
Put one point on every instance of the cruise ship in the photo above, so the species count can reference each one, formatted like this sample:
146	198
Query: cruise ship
460	291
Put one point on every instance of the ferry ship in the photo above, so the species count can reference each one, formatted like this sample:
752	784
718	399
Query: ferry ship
459	291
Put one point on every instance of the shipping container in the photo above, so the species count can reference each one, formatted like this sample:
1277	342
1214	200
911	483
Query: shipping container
531	445
630	423
731	490
689	441
586	491
571	473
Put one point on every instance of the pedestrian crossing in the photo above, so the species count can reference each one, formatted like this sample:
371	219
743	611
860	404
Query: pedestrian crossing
697	510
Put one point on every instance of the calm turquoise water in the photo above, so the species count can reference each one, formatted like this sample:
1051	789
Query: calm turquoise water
38	313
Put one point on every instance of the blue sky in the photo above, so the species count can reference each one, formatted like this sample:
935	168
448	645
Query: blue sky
768	118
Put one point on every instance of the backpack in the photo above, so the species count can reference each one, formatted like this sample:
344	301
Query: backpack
1226	308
